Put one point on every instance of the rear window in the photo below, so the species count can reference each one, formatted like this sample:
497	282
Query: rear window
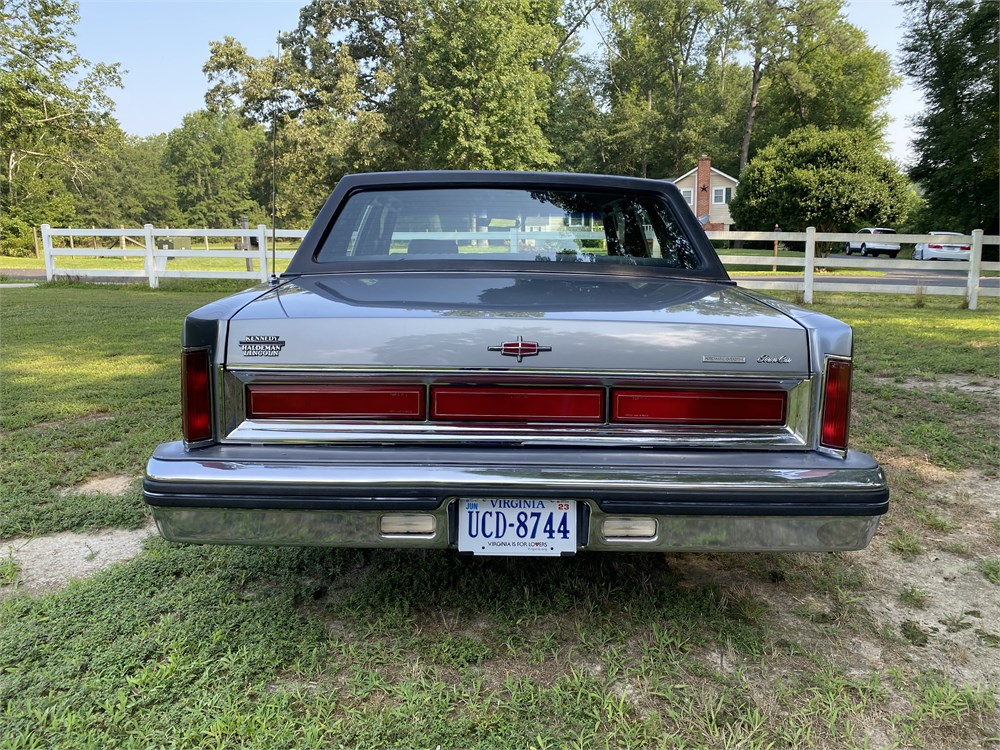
508	224
885	231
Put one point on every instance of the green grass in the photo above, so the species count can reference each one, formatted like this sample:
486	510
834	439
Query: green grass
189	646
991	569
914	597
8	569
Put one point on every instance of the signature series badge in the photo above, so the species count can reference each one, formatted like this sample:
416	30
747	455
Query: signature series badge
767	359
261	346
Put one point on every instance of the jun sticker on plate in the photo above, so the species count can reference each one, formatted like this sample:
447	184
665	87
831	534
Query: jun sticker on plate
494	526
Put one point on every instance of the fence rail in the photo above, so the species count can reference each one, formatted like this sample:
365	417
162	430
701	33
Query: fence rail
254	250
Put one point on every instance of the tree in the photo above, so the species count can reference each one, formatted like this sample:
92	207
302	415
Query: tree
809	67
132	185
834	180
950	51
211	157
54	114
472	95
406	83
656	57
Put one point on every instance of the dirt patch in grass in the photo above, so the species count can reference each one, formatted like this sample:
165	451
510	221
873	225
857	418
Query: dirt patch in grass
47	563
878	609
108	485
968	383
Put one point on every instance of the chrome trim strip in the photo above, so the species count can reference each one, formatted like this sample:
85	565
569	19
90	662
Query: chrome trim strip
512	473
361	529
699	375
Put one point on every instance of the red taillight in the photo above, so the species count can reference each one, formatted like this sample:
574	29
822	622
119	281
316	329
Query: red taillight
335	401
836	404
196	396
934	247
490	404
699	407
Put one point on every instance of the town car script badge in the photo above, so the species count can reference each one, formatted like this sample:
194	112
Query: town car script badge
261	346
519	348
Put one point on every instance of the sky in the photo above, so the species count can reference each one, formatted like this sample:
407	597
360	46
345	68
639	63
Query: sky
163	44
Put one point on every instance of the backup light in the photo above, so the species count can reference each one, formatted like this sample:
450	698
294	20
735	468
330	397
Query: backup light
628	527
416	524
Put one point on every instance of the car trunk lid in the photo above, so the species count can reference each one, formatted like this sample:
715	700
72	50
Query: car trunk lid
515	321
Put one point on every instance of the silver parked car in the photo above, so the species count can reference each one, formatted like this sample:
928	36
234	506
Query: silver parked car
944	249
875	245
513	364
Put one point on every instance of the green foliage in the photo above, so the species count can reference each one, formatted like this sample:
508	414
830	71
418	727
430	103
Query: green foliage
132	186
832	180
950	50
822	71
211	157
54	115
471	95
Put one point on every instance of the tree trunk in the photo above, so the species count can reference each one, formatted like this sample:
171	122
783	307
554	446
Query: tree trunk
758	65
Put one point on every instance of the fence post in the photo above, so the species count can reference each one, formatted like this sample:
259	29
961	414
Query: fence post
154	282
975	268
50	262
262	250
810	267
206	241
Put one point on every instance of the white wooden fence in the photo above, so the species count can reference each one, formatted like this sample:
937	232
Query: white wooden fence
155	265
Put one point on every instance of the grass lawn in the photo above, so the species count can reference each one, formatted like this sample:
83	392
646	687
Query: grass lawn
189	646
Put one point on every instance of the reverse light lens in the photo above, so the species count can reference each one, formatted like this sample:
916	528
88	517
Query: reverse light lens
196	396
629	528
836	404
420	524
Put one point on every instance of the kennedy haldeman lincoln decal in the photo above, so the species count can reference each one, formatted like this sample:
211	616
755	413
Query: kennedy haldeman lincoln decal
261	346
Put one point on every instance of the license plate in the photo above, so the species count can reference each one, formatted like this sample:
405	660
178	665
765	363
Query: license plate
493	526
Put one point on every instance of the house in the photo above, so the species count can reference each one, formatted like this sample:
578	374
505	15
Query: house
708	192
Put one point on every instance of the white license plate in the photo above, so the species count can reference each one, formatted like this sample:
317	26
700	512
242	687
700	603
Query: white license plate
494	526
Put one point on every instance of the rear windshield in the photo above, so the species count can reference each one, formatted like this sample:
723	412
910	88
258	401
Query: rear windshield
885	231
508	224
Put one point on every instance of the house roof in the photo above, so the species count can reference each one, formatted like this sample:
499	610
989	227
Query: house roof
692	171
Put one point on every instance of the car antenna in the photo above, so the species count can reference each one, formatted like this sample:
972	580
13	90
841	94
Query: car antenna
274	164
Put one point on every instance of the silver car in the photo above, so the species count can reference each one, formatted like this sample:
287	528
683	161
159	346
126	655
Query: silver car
944	249
513	364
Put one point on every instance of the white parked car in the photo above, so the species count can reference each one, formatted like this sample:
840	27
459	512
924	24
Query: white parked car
946	249
873	246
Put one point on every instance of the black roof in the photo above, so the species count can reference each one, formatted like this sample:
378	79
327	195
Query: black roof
304	260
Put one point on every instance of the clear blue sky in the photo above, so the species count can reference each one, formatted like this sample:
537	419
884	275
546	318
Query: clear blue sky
164	43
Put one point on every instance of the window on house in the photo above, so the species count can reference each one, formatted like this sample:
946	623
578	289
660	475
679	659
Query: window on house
722	195
688	195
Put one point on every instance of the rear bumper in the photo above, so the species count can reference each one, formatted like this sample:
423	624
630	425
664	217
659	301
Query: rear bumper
338	496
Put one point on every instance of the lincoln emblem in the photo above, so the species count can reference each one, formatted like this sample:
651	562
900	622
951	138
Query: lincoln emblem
519	348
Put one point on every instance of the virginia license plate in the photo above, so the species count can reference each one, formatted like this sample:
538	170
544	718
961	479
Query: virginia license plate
493	526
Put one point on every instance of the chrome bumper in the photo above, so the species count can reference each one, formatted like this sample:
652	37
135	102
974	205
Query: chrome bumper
334	496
